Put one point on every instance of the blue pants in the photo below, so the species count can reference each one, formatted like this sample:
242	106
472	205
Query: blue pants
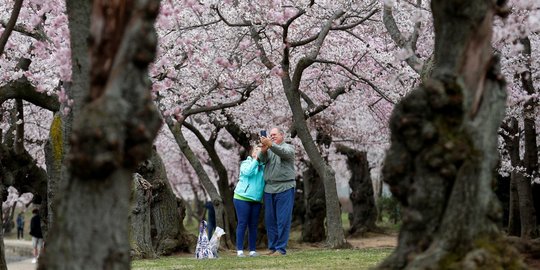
247	214
278	215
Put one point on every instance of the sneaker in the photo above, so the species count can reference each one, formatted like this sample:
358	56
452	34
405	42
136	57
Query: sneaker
241	255
253	254
34	260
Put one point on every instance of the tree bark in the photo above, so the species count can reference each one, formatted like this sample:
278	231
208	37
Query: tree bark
364	213
313	229
529	227
139	219
3	263
512	144
112	134
167	234
444	150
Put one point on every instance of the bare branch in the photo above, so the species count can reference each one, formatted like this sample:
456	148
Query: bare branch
355	24
10	25
244	24
368	82
221	106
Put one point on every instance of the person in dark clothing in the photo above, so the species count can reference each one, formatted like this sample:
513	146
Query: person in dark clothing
37	235
211	218
20	225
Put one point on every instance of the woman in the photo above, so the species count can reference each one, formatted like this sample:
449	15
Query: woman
247	200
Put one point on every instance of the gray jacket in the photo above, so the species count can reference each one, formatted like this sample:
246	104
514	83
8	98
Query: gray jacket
279	172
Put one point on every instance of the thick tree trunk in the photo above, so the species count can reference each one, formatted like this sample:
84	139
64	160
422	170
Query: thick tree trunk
112	134
364	213
444	150
139	219
167	233
313	229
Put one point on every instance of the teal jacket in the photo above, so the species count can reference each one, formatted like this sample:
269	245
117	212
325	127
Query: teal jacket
251	182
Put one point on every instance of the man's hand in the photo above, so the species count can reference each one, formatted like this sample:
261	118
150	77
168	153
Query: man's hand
266	142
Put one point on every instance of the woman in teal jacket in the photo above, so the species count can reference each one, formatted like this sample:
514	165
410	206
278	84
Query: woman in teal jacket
247	200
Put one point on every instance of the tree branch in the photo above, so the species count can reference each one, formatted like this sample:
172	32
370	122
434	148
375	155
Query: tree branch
400	40
368	82
244	24
263	56
23	89
341	28
10	25
237	102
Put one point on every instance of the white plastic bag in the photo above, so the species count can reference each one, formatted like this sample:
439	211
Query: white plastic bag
214	241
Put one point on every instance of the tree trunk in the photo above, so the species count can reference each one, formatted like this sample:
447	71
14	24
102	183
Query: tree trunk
313	229
444	150
167	235
3	264
176	129
335	236
512	144
530	160
226	192
112	134
139	219
514	221
364	213
527	213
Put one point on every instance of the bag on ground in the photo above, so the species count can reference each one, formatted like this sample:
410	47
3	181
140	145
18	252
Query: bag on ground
214	241
203	251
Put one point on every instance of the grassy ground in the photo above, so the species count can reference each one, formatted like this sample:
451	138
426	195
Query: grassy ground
301	259
300	256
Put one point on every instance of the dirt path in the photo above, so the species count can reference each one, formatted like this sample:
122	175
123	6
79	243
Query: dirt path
374	241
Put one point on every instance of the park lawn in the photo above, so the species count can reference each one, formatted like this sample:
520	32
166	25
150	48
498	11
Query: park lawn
297	259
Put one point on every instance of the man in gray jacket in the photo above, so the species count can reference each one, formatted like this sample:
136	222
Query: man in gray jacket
279	175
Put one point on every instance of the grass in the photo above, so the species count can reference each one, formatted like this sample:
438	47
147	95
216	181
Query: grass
300	256
296	259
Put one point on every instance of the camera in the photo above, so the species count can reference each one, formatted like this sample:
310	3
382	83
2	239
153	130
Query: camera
263	133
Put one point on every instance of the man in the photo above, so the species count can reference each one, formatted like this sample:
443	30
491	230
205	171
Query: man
37	236
279	176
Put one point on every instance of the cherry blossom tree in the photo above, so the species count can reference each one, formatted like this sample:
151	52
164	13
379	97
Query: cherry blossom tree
113	131
444	149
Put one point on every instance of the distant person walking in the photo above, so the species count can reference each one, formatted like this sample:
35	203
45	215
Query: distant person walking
37	236
247	200
20	226
279	176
